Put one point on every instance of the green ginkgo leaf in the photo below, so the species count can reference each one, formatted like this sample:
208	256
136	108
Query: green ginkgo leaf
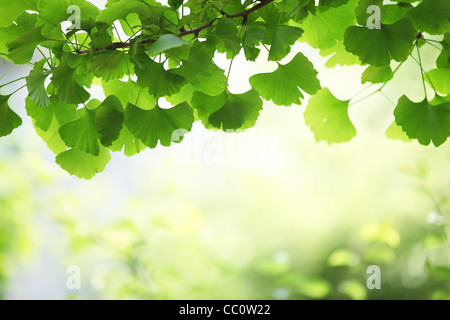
128	143
439	79
227	34
109	120
424	121
200	71
129	92
152	76
283	38
339	56
22	48
377	74
395	132
252	37
43	116
36	84
431	16
328	118
283	85
326	27
110	65
167	42
378	46
69	90
81	164
81	134
12	9
151	126
228	111
121	9
9	120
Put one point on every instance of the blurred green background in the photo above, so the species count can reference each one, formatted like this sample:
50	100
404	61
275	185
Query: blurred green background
232	216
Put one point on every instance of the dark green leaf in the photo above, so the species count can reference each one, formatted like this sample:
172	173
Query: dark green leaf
9	120
424	121
151	126
228	111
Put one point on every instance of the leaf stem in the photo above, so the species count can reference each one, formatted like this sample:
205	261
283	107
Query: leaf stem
10	70
5	84
46	59
139	94
421	71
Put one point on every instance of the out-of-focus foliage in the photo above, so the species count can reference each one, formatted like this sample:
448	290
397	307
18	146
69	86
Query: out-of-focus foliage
175	250
20	174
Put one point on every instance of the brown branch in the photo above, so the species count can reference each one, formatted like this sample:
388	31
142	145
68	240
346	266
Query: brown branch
195	31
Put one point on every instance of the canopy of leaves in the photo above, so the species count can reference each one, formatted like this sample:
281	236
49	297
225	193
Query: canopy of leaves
170	54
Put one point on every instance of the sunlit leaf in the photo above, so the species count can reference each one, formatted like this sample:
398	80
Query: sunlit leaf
282	85
328	118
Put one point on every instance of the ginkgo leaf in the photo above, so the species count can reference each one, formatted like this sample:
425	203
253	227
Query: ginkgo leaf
129	92
328	118
377	74
110	65
167	42
282	85
283	38
200	71
35	84
424	121
51	136
109	120
158	81
443	61
12	9
227	32
252	37
22	48
395	132
395	12
24	23
128	143
326	27
43	116
151	126
431	16
69	90
81	134
339	56
390	42
121	9
9	120
82	164
228	111
439	79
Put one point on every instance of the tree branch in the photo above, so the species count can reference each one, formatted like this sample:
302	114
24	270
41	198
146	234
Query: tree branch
196	31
